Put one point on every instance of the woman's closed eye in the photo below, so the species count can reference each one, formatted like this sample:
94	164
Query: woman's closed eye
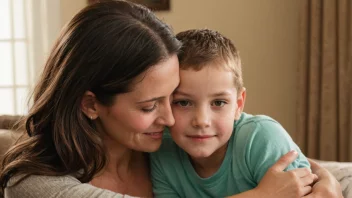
150	109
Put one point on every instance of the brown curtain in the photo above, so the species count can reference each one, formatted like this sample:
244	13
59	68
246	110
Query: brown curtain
324	118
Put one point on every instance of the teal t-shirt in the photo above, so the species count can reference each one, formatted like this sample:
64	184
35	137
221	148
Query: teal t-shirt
256	144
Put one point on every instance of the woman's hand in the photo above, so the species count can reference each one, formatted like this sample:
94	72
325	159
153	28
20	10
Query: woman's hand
326	186
291	184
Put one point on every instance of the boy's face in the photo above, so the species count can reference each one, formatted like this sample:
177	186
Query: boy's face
205	106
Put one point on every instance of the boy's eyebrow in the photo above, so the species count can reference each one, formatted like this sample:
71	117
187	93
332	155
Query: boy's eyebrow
152	99
181	93
223	93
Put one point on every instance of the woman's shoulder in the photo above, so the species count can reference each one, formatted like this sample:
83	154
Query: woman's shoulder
36	186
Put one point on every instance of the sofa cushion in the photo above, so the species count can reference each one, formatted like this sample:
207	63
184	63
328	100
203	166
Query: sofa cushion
343	173
9	121
7	139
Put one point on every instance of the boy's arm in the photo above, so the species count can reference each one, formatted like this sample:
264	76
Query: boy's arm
271	142
263	143
276	183
161	187
267	143
327	185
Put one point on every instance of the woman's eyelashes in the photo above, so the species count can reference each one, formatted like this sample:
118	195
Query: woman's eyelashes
150	109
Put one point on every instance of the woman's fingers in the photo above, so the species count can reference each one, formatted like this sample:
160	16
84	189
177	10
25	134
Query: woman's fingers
308	180
306	190
301	172
284	161
314	165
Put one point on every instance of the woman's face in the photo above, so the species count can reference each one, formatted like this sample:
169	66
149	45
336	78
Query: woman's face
137	119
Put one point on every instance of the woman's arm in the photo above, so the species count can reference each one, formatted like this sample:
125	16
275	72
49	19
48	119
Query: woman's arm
277	184
326	186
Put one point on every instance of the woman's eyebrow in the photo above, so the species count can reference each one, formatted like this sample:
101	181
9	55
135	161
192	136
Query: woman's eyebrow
152	99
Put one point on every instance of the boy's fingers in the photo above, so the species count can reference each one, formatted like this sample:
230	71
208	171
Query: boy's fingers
284	161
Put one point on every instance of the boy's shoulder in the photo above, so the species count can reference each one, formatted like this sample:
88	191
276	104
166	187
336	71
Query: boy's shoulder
253	124
253	128
249	119
262	141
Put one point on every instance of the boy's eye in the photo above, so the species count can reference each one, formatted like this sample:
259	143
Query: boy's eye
182	103
218	103
147	110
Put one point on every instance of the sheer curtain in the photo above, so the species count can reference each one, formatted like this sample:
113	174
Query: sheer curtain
28	28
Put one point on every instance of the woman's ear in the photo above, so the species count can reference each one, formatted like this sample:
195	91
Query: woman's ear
241	99
89	104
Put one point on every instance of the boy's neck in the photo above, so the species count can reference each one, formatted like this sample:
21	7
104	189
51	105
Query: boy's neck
208	166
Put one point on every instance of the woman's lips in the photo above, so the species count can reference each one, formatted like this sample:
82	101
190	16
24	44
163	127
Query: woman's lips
155	135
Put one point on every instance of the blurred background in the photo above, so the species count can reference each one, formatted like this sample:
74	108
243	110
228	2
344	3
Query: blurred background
296	58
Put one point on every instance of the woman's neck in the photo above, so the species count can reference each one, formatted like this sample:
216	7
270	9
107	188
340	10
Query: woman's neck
120	160
123	169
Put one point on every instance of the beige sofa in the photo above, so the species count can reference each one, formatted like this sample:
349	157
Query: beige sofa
342	171
7	135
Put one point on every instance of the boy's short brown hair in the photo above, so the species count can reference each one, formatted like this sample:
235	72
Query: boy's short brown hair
203	46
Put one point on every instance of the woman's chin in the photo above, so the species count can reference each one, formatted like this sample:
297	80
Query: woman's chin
151	147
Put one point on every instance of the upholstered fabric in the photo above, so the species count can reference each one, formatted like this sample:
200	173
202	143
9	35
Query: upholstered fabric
7	138
343	173
9	121
7	135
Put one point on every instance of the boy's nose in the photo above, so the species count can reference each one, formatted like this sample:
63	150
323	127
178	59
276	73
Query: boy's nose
201	119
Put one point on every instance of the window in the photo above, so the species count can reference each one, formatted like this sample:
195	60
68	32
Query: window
15	72
27	30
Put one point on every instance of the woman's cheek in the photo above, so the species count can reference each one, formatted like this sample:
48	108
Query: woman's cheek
143	123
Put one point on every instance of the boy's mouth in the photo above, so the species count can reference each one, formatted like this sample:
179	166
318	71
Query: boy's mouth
200	137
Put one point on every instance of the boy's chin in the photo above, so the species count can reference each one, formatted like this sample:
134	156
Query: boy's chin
199	154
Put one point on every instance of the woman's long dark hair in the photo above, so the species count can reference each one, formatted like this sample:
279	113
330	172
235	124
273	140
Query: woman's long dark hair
102	49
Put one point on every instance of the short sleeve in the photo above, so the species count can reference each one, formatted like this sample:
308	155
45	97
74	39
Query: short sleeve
266	142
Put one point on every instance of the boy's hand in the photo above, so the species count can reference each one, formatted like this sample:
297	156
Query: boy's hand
326	186
291	184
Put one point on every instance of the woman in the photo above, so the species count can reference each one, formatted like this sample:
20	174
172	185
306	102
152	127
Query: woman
102	102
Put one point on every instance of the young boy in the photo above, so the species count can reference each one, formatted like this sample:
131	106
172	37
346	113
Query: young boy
215	149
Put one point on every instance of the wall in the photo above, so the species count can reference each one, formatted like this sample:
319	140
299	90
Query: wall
266	35
70	8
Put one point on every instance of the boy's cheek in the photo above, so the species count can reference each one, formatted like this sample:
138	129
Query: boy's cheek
180	122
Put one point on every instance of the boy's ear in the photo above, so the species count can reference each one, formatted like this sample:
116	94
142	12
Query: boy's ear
89	104
241	99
